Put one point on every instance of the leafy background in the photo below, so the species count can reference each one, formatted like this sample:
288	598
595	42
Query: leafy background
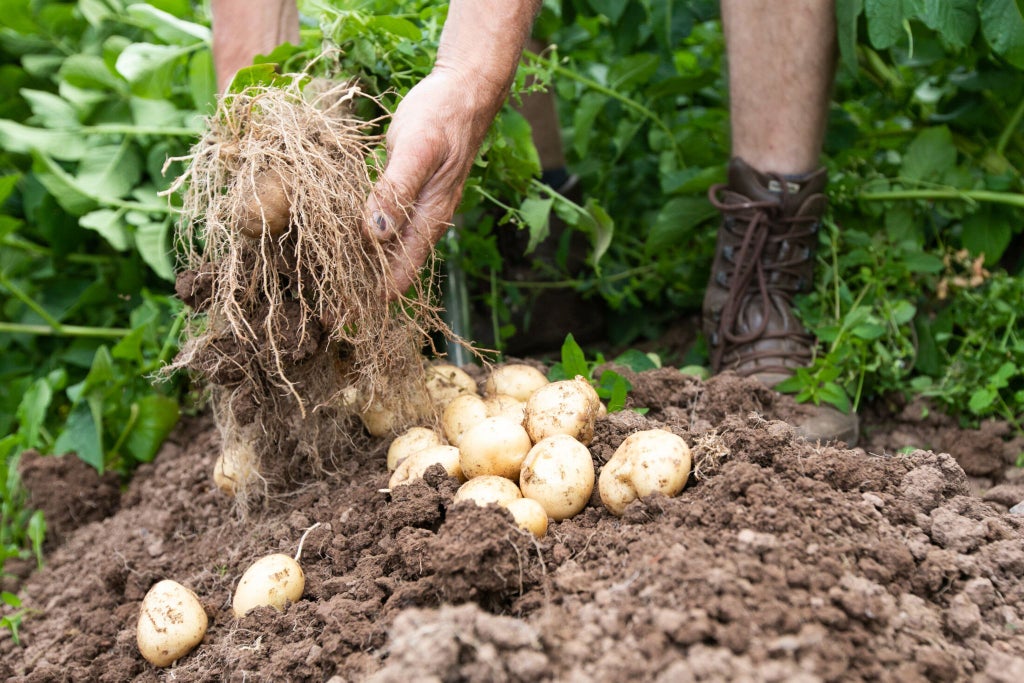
919	285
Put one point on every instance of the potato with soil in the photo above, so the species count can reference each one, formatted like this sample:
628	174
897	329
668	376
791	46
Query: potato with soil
516	380
559	474
497	446
411	441
269	208
568	407
446	381
171	623
414	467
235	468
271	581
654	460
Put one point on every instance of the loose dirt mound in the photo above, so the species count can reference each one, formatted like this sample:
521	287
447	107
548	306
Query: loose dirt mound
784	562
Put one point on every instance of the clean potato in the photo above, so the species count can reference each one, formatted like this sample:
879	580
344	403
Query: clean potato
559	474
271	581
645	462
462	413
516	380
496	445
487	489
410	441
446	381
568	406
171	623
413	467
503	405
529	514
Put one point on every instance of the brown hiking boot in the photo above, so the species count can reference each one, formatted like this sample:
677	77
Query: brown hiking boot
764	257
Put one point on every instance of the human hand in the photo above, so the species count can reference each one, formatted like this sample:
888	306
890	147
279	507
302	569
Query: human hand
431	144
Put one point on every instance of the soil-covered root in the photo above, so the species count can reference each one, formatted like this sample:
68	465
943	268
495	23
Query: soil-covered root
288	291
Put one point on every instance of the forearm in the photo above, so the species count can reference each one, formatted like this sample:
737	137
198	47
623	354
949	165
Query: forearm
482	41
243	29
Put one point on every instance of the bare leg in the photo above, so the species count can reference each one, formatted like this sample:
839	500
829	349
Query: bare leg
781	59
243	29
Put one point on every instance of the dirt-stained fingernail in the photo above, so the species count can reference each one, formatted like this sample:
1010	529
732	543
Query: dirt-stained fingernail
380	222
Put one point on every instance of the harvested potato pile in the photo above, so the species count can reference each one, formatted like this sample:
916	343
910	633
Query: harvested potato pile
523	446
290	326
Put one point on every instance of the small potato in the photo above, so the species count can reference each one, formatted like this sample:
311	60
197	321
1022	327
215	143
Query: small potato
516	380
408	442
171	623
495	446
462	413
271	581
378	420
235	468
446	381
413	467
488	489
647	461
529	515
503	405
269	207
559	474
565	407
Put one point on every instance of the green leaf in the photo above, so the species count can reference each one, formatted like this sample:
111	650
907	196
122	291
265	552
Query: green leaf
987	232
49	110
7	185
109	171
614	387
847	12
1002	24
152	241
584	115
59	144
155	419
602	228
921	262
202	81
903	312
398	26
574	362
954	20
536	213
61	185
834	395
929	155
636	360
89	72
168	27
81	436
110	224
150	68
32	411
613	9
625	74
885	22
676	222
981	399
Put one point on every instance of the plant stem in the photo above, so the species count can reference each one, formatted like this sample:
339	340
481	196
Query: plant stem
129	129
971	196
30	302
18	242
1011	126
65	330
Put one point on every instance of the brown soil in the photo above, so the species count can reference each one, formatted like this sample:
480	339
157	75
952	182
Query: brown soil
783	561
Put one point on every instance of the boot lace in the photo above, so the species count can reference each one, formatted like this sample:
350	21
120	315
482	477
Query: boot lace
766	264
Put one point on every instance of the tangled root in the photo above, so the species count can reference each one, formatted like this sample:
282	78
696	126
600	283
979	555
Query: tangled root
287	291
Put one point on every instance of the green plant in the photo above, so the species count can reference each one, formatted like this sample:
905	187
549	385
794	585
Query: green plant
611	386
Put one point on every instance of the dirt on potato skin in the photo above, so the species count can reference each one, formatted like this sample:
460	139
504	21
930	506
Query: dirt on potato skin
784	561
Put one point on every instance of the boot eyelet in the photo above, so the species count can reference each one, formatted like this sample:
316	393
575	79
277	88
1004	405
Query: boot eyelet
722	279
727	252
714	339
